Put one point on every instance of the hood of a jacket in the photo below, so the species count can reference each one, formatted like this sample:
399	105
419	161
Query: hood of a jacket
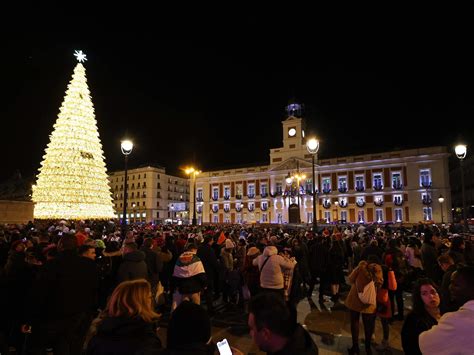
134	256
270	250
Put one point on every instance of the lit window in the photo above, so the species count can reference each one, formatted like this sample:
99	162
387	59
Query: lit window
326	184
398	215
327	216
251	190
425	178
379	215
378	183
427	214
359	182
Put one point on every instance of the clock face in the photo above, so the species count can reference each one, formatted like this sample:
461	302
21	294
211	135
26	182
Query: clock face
292	132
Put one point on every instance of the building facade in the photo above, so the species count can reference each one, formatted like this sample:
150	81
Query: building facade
153	195
399	186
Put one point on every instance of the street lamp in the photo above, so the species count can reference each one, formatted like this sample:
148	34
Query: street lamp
193	172
313	146
127	147
461	151
441	200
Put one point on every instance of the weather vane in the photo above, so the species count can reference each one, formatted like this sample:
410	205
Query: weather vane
81	57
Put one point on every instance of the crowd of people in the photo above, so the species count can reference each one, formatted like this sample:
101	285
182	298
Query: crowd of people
89	287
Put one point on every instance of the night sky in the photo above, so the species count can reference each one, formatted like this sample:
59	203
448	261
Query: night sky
217	98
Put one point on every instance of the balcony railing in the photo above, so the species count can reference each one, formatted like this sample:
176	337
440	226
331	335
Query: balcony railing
226	197
215	198
263	194
426	200
326	190
264	207
378	187
199	199
397	185
342	189
360	188
238	197
238	209
215	209
378	202
426	184
250	195
226	209
360	203
398	202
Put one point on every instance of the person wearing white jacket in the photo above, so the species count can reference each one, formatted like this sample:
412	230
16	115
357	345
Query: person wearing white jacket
453	334
271	266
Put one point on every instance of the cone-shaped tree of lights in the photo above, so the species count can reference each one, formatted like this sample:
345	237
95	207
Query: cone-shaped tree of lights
72	182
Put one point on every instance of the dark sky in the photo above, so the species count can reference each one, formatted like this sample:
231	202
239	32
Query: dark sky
217	96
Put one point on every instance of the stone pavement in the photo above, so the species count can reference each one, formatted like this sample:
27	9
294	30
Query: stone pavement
329	326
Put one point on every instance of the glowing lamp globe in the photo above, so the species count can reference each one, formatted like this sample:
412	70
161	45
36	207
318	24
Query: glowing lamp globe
127	146
312	145
461	151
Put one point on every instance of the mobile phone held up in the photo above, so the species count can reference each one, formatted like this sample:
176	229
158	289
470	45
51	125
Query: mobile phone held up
224	348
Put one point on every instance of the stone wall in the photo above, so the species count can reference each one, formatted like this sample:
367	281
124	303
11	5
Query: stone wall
16	211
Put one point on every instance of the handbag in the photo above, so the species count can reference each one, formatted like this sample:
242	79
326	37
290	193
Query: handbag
392	281
369	295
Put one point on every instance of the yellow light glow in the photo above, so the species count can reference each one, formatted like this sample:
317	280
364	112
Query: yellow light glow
72	182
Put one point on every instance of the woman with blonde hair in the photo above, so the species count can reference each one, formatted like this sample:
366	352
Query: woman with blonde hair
128	324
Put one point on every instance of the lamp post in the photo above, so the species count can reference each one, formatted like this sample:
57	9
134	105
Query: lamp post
313	146
127	147
461	151
193	172
441	200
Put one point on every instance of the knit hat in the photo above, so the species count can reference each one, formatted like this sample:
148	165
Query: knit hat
229	244
189	324
252	251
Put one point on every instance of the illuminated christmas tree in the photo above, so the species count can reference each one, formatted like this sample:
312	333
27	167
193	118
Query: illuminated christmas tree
72	183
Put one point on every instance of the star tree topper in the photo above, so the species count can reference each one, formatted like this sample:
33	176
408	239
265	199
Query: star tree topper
81	57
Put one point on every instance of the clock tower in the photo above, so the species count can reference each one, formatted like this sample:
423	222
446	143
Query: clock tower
293	136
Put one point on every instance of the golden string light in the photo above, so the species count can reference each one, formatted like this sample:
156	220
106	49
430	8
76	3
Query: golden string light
72	183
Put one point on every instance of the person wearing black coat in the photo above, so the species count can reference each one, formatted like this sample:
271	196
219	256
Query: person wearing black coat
418	321
211	266
133	266
318	264
63	301
128	324
153	262
124	335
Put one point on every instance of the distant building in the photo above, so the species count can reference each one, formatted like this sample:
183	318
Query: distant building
399	186
153	195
